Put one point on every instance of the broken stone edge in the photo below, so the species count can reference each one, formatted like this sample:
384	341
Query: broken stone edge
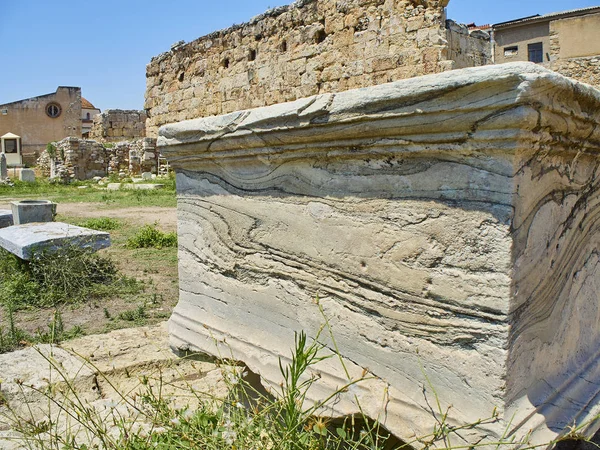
425	115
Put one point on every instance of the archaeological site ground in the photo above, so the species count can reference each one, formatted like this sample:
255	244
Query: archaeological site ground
342	225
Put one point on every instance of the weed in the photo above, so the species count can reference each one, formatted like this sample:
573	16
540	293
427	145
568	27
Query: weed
151	237
13	338
137	315
52	278
101	223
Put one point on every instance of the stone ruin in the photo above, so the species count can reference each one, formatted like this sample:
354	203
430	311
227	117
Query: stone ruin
449	225
116	125
83	159
309	47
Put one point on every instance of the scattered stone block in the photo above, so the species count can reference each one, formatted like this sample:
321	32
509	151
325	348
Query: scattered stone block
113	186
137	180
6	218
448	225
144	186
25	240
27	211
147	175
27	175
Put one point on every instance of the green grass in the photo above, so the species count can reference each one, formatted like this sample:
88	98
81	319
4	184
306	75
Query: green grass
101	224
13	338
71	193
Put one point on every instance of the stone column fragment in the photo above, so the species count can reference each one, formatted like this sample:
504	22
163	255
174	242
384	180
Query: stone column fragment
3	167
449	225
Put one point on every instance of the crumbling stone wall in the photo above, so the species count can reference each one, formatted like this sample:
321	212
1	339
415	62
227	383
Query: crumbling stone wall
307	48
467	48
115	125
83	159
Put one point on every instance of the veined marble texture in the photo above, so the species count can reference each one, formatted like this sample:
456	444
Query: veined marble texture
449	226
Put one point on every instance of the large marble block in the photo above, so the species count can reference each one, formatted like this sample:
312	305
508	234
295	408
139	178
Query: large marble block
27	240
449	225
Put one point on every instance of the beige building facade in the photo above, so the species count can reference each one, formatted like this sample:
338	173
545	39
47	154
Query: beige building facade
42	119
567	42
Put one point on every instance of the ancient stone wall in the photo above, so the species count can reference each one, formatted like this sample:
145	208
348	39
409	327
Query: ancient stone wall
295	51
83	159
115	125
582	69
467	48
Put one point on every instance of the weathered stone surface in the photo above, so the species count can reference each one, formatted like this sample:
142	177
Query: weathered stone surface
27	175
85	159
114	125
28	211
6	218
309	47
3	167
25	240
98	367
449	225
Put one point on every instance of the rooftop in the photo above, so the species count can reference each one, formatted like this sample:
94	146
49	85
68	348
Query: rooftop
549	16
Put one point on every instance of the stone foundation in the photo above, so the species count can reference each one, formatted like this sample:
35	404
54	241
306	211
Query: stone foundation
83	159
449	226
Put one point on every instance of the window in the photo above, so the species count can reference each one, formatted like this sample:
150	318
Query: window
53	110
511	51
536	52
88	116
4	112
10	146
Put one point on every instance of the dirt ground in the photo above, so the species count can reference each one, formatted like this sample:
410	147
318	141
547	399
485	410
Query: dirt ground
156	269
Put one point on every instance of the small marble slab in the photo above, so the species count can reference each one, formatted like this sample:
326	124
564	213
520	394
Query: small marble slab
6	218
25	240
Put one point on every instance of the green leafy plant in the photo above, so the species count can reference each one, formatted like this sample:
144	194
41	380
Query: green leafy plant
101	223
51	149
151	237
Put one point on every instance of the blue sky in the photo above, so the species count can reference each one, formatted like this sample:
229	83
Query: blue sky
104	46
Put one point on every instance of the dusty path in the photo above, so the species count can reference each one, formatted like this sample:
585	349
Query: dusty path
165	218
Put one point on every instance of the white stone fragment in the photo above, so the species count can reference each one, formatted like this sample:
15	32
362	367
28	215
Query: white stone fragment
25	240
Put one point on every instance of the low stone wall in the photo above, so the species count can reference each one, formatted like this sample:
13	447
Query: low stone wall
116	125
448	224
83	159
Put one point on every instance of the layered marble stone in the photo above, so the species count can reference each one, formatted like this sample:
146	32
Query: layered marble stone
448	225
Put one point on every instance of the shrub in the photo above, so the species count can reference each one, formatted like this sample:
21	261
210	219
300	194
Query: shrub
151	237
70	275
101	223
